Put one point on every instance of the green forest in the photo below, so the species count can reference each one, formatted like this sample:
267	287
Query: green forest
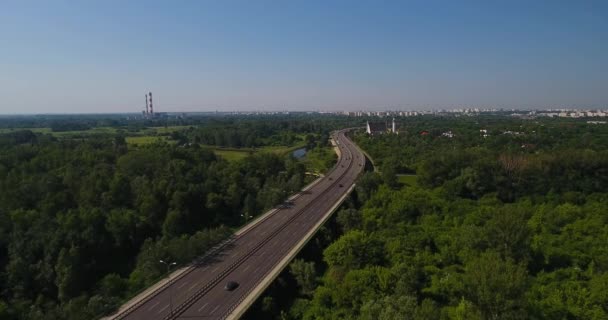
85	217
510	222
486	217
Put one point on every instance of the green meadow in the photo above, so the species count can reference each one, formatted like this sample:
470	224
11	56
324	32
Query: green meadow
149	135
235	154
409	180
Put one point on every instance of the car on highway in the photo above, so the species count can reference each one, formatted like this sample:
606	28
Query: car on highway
231	285
341	185
287	204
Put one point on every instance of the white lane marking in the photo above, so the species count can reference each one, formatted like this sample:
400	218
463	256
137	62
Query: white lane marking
212	311
154	305
261	254
246	268
181	285
256	270
192	287
214	270
163	309
203	307
234	255
205	268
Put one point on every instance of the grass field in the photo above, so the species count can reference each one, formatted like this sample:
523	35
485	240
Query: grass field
38	130
408	180
96	130
231	155
154	134
281	149
144	136
101	130
141	140
320	159
234	154
162	130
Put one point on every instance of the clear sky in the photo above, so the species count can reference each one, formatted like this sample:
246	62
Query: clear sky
102	56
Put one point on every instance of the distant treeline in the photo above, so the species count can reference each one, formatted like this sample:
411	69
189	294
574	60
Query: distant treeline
515	158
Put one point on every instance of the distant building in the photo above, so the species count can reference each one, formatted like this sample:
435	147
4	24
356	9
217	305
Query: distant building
513	133
377	128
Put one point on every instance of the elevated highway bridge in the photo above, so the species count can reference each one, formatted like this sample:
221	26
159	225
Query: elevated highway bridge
252	257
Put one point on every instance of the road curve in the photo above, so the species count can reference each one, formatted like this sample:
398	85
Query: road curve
248	258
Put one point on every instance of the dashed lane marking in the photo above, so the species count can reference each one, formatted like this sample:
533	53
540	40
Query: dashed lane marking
203	307
154	305
163	309
212	311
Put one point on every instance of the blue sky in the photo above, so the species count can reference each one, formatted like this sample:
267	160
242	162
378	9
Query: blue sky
102	56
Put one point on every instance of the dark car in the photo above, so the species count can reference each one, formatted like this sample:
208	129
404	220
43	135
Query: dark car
287	204
231	285
341	185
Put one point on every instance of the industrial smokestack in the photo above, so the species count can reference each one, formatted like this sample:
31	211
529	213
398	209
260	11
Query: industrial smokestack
147	104
151	107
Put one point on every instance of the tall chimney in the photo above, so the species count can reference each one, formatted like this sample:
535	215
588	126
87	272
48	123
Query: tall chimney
151	107
147	104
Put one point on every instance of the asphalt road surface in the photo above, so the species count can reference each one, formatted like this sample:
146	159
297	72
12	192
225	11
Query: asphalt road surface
248	258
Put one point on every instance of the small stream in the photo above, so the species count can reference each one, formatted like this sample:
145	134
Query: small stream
299	153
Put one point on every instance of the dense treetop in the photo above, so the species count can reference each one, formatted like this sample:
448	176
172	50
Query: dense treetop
85	218
512	225
477	218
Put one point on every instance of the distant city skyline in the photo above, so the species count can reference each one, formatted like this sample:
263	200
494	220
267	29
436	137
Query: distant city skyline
103	56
